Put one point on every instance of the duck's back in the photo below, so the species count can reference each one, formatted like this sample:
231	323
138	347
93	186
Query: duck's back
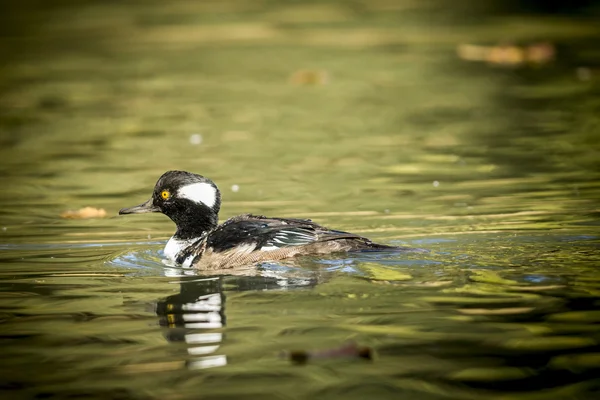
248	239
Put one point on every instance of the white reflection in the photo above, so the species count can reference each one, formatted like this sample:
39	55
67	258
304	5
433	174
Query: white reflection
208	362
207	316
204	325
197	306
203	337
196	351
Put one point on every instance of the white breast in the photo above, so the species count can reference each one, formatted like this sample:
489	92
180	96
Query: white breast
174	246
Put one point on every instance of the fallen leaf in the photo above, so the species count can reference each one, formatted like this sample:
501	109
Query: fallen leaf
507	54
84	213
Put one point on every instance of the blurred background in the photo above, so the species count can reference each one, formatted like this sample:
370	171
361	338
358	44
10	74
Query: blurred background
470	128
361	103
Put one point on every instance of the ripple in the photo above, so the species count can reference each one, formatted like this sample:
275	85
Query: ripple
140	262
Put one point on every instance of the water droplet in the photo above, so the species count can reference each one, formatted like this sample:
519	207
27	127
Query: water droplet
196	139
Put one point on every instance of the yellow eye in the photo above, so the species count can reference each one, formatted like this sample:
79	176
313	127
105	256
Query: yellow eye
165	194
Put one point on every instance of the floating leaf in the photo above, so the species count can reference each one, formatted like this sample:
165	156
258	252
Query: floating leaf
379	273
508	55
84	213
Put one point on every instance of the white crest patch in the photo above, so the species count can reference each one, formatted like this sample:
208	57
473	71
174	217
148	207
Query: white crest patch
201	192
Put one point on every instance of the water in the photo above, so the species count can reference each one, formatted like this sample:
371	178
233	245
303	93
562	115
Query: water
358	115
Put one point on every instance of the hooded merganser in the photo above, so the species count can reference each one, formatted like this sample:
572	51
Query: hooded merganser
193	203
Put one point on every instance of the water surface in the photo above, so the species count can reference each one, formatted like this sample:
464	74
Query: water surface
358	115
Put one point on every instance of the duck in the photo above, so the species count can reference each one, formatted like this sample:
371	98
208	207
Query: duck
193	203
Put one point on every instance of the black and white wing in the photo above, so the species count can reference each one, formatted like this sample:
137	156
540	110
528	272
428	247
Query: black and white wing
268	234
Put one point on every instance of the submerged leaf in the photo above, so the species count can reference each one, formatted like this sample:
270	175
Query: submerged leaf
380	273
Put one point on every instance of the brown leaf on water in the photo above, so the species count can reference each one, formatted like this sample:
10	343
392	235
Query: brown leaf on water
84	213
508	55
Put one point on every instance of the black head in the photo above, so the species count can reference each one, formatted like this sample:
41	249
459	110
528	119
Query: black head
190	200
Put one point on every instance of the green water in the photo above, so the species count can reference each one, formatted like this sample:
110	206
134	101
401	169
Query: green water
494	170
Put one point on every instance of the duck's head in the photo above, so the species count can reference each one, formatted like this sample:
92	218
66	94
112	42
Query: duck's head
190	200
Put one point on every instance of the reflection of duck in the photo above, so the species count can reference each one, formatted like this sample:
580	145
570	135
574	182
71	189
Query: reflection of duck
192	316
196	315
193	203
